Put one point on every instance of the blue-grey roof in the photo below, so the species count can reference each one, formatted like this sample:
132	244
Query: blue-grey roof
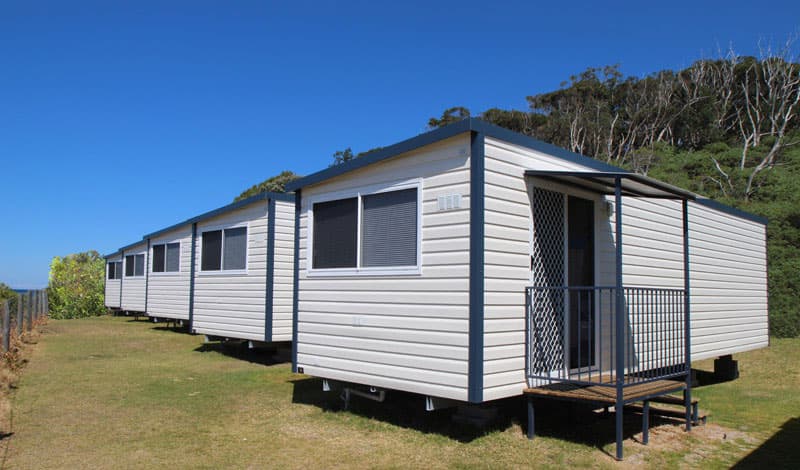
442	133
491	130
221	210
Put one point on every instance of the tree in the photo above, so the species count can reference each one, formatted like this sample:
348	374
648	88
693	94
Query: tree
275	184
342	156
76	285
449	116
728	128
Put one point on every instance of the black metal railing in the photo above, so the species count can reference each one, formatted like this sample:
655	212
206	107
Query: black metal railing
571	335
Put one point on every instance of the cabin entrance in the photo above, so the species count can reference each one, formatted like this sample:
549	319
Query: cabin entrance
563	255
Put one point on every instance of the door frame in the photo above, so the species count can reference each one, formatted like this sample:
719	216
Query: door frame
598	201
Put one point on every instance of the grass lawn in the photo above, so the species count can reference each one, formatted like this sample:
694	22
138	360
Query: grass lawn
115	393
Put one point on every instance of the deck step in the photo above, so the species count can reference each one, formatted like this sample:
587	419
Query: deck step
671	400
697	419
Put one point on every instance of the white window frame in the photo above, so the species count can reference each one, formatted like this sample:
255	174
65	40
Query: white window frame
108	271
125	264
221	271
165	243
359	193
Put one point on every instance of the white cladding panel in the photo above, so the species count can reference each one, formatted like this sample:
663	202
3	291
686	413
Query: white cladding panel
133	288
283	272
406	332
233	304
727	263
168	292
112	287
728	266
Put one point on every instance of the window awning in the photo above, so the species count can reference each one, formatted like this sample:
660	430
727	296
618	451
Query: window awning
632	184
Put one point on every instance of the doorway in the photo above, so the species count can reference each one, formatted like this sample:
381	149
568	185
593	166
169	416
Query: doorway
581	280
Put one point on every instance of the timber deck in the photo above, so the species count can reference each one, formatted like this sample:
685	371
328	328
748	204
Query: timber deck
606	395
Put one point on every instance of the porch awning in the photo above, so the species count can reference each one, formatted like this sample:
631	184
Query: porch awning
632	184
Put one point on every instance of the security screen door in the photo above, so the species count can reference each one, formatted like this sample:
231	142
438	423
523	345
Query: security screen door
563	254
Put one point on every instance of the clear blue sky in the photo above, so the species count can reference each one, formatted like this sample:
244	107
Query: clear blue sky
119	118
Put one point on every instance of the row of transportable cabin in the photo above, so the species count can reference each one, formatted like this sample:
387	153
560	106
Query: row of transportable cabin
227	273
469	264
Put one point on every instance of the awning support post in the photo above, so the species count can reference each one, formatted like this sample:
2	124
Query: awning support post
620	317
687	396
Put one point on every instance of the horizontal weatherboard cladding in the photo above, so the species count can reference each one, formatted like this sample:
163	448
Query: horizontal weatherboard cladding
134	288
233	303
406	332
168	292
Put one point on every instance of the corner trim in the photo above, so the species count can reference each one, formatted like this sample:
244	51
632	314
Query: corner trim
122	278
146	274
296	277
269	300
476	266
192	258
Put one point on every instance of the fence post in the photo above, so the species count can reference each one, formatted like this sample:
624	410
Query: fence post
20	302
46	304
29	312
6	326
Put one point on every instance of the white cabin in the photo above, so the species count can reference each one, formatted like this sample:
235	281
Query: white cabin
134	277
243	270
169	272
113	281
413	263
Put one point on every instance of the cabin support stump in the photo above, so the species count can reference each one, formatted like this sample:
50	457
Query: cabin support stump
531	418
725	368
646	422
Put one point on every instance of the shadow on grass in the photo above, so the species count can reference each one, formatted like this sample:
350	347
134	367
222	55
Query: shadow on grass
707	377
265	356
557	419
780	451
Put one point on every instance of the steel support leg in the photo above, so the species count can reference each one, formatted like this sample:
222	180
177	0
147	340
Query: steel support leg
618	412
687	400
646	422
531	416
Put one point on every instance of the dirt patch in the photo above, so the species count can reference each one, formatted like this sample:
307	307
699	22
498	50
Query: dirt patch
701	443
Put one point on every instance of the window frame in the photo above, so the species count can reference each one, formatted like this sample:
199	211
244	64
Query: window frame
117	273
165	242
143	254
221	271
359	193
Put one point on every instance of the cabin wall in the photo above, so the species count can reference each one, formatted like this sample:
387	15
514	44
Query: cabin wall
404	332
112	287
134	287
727	265
507	260
233	304
283	274
168	292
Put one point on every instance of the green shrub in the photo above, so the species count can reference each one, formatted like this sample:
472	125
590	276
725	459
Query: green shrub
76	285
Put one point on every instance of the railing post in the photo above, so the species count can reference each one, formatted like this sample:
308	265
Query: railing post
687	397
620	317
